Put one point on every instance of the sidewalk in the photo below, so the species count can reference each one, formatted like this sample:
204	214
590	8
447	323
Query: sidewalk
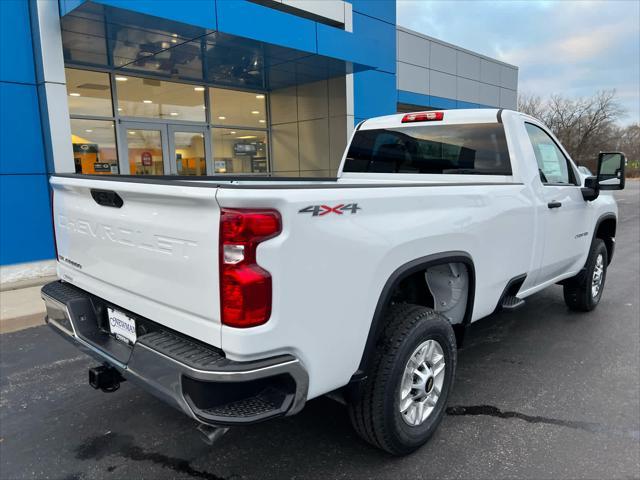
22	308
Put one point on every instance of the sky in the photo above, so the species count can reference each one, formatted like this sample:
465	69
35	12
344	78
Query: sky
569	47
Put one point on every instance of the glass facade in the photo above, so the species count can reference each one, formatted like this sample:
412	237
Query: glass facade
236	108
150	98
94	146
160	127
240	151
89	93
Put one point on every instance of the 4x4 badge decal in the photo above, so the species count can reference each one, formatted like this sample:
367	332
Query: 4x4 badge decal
321	210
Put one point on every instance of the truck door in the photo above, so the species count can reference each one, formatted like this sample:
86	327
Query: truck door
564	211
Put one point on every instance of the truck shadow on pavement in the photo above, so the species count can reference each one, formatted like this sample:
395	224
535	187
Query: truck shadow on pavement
320	438
506	362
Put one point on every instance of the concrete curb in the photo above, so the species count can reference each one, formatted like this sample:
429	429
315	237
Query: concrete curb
21	308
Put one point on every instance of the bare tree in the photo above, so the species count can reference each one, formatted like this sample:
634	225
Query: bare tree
584	125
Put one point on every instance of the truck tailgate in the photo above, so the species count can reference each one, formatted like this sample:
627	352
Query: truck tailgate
156	255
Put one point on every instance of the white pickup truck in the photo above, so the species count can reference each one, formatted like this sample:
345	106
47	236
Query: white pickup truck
237	299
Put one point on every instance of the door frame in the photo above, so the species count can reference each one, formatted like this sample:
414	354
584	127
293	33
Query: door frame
167	142
123	144
172	128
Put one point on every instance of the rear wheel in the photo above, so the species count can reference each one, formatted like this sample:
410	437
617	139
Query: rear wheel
584	294
404	398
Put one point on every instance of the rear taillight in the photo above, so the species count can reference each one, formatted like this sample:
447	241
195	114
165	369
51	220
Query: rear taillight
245	287
422	117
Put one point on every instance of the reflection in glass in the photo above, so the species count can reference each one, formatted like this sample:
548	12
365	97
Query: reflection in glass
239	151
232	107
88	93
144	150
190	155
94	146
159	52
151	98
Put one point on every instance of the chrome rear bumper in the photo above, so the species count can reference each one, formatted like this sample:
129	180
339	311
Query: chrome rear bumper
187	374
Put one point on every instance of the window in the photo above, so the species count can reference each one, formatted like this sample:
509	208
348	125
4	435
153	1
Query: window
151	98
94	146
552	164
89	93
232	107
239	151
476	149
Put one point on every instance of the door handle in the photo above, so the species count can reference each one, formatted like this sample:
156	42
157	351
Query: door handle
554	204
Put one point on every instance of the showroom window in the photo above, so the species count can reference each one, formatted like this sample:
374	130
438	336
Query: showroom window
143	126
93	134
239	134
94	146
240	151
89	93
151	98
236	108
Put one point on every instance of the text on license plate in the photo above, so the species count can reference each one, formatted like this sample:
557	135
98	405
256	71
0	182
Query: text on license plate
122	326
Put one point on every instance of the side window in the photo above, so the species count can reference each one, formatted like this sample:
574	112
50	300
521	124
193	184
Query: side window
552	164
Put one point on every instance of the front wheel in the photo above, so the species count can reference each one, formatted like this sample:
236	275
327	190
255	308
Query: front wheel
404	397
584	295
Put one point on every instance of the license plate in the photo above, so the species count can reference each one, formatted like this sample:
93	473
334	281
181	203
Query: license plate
122	326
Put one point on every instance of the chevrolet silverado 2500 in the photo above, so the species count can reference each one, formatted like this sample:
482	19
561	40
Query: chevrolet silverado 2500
237	299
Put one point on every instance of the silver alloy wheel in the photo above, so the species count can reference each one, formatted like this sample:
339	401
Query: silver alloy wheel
596	280
422	383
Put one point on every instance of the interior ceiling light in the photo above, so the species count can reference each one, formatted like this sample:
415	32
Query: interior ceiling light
262	121
174	114
74	94
246	137
131	132
260	96
147	101
119	109
199	89
222	117
88	130
233	133
255	112
121	79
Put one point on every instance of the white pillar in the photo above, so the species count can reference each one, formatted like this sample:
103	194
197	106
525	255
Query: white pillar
51	83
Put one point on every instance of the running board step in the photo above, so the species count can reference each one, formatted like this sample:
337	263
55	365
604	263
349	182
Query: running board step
511	303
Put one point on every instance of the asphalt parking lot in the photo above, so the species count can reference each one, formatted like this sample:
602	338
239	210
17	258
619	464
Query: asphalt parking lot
540	393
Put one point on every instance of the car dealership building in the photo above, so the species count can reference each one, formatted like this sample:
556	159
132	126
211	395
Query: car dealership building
204	87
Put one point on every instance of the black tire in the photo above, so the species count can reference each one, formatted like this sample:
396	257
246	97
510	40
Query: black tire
375	412
577	291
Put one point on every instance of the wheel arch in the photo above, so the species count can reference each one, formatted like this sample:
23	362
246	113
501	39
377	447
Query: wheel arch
605	229
401	273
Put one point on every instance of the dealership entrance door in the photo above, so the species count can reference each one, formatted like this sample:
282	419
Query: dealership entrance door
158	148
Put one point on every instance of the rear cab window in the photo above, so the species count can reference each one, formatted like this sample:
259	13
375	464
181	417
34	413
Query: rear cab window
463	149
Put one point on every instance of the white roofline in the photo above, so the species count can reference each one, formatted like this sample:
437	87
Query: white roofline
470	52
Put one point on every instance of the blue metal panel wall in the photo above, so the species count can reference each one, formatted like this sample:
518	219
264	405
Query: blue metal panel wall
375	91
25	227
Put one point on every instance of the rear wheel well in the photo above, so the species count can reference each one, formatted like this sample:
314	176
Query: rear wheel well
443	288
408	284
446	285
606	230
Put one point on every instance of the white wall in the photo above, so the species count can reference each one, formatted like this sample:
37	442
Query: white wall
431	67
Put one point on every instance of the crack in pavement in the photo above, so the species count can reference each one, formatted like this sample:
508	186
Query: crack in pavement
491	411
115	444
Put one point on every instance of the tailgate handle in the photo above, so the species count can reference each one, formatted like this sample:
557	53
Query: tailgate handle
107	198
